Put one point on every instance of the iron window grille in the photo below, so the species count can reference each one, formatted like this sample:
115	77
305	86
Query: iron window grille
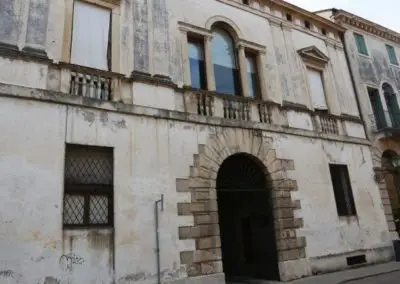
88	186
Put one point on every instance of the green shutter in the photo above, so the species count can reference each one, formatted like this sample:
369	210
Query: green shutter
361	45
392	54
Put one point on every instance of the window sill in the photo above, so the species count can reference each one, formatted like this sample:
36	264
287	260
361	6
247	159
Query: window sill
364	56
87	228
348	219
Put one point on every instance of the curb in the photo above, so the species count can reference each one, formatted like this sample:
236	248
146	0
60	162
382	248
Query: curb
369	276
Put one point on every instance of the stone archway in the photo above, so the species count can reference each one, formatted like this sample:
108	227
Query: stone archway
206	257
246	220
381	154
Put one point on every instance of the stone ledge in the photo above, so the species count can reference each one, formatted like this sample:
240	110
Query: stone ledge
20	92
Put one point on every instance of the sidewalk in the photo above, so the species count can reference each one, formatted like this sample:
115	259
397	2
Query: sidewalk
353	276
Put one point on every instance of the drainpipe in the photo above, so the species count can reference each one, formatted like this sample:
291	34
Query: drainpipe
353	81
156	205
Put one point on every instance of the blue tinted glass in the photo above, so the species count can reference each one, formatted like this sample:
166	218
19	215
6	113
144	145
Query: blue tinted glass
224	60
197	67
251	69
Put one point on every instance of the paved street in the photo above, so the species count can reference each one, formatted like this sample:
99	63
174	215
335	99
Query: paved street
389	278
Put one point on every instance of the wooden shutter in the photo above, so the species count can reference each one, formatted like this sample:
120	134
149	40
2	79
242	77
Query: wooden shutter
90	35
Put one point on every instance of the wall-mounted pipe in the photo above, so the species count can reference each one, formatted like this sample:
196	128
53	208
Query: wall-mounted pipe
157	204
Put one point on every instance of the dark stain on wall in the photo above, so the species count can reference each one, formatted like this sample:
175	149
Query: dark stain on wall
8	22
37	22
381	64
141	36
366	70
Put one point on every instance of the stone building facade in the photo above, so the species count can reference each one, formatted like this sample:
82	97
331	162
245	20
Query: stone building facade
180	141
373	58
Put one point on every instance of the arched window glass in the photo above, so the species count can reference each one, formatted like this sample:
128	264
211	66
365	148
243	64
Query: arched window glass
226	69
392	104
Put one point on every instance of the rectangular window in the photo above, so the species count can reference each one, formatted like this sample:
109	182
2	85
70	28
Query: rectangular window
91	36
361	45
88	186
392	54
252	75
197	63
377	109
342	190
316	84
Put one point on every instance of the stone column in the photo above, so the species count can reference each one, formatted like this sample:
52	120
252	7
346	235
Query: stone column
262	76
209	63
243	72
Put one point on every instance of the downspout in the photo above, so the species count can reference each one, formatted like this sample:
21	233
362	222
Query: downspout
353	81
156	205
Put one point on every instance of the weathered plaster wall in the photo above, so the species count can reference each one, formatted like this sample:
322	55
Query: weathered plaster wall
150	155
372	70
151	43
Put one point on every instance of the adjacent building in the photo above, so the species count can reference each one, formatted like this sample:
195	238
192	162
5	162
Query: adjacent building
180	141
373	58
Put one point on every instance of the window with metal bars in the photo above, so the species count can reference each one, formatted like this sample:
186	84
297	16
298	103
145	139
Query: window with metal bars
342	190
88	186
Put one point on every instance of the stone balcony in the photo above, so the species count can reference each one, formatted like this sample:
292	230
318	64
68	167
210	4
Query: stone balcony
235	108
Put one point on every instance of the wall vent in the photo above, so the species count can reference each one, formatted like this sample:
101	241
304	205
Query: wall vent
356	260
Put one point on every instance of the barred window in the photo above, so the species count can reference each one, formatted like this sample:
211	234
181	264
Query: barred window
88	186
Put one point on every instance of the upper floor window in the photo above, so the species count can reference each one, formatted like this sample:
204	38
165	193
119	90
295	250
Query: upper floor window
224	57
316	84
307	25
392	104
361	45
90	44
392	54
252	75
197	63
245	2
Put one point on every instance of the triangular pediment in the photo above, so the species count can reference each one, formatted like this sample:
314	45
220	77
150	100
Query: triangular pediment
313	53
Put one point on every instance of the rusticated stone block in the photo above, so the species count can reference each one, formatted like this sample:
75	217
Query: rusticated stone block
210	218
282	213
207	255
184	209
211	267
194	270
286	255
186	257
182	185
197	207
209	242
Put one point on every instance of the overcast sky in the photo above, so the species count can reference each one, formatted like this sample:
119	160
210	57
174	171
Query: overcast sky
383	12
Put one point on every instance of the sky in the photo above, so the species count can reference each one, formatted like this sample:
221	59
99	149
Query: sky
383	12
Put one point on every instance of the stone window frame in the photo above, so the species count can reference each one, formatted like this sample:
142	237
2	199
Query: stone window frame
114	6
242	46
314	59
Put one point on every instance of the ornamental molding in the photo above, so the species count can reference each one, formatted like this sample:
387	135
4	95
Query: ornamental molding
343	17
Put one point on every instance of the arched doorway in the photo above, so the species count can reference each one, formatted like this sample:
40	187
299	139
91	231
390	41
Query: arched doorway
392	180
246	219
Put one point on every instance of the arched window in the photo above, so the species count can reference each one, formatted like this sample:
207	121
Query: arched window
224	57
392	104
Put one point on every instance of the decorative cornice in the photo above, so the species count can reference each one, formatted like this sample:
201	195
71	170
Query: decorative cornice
343	17
313	54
